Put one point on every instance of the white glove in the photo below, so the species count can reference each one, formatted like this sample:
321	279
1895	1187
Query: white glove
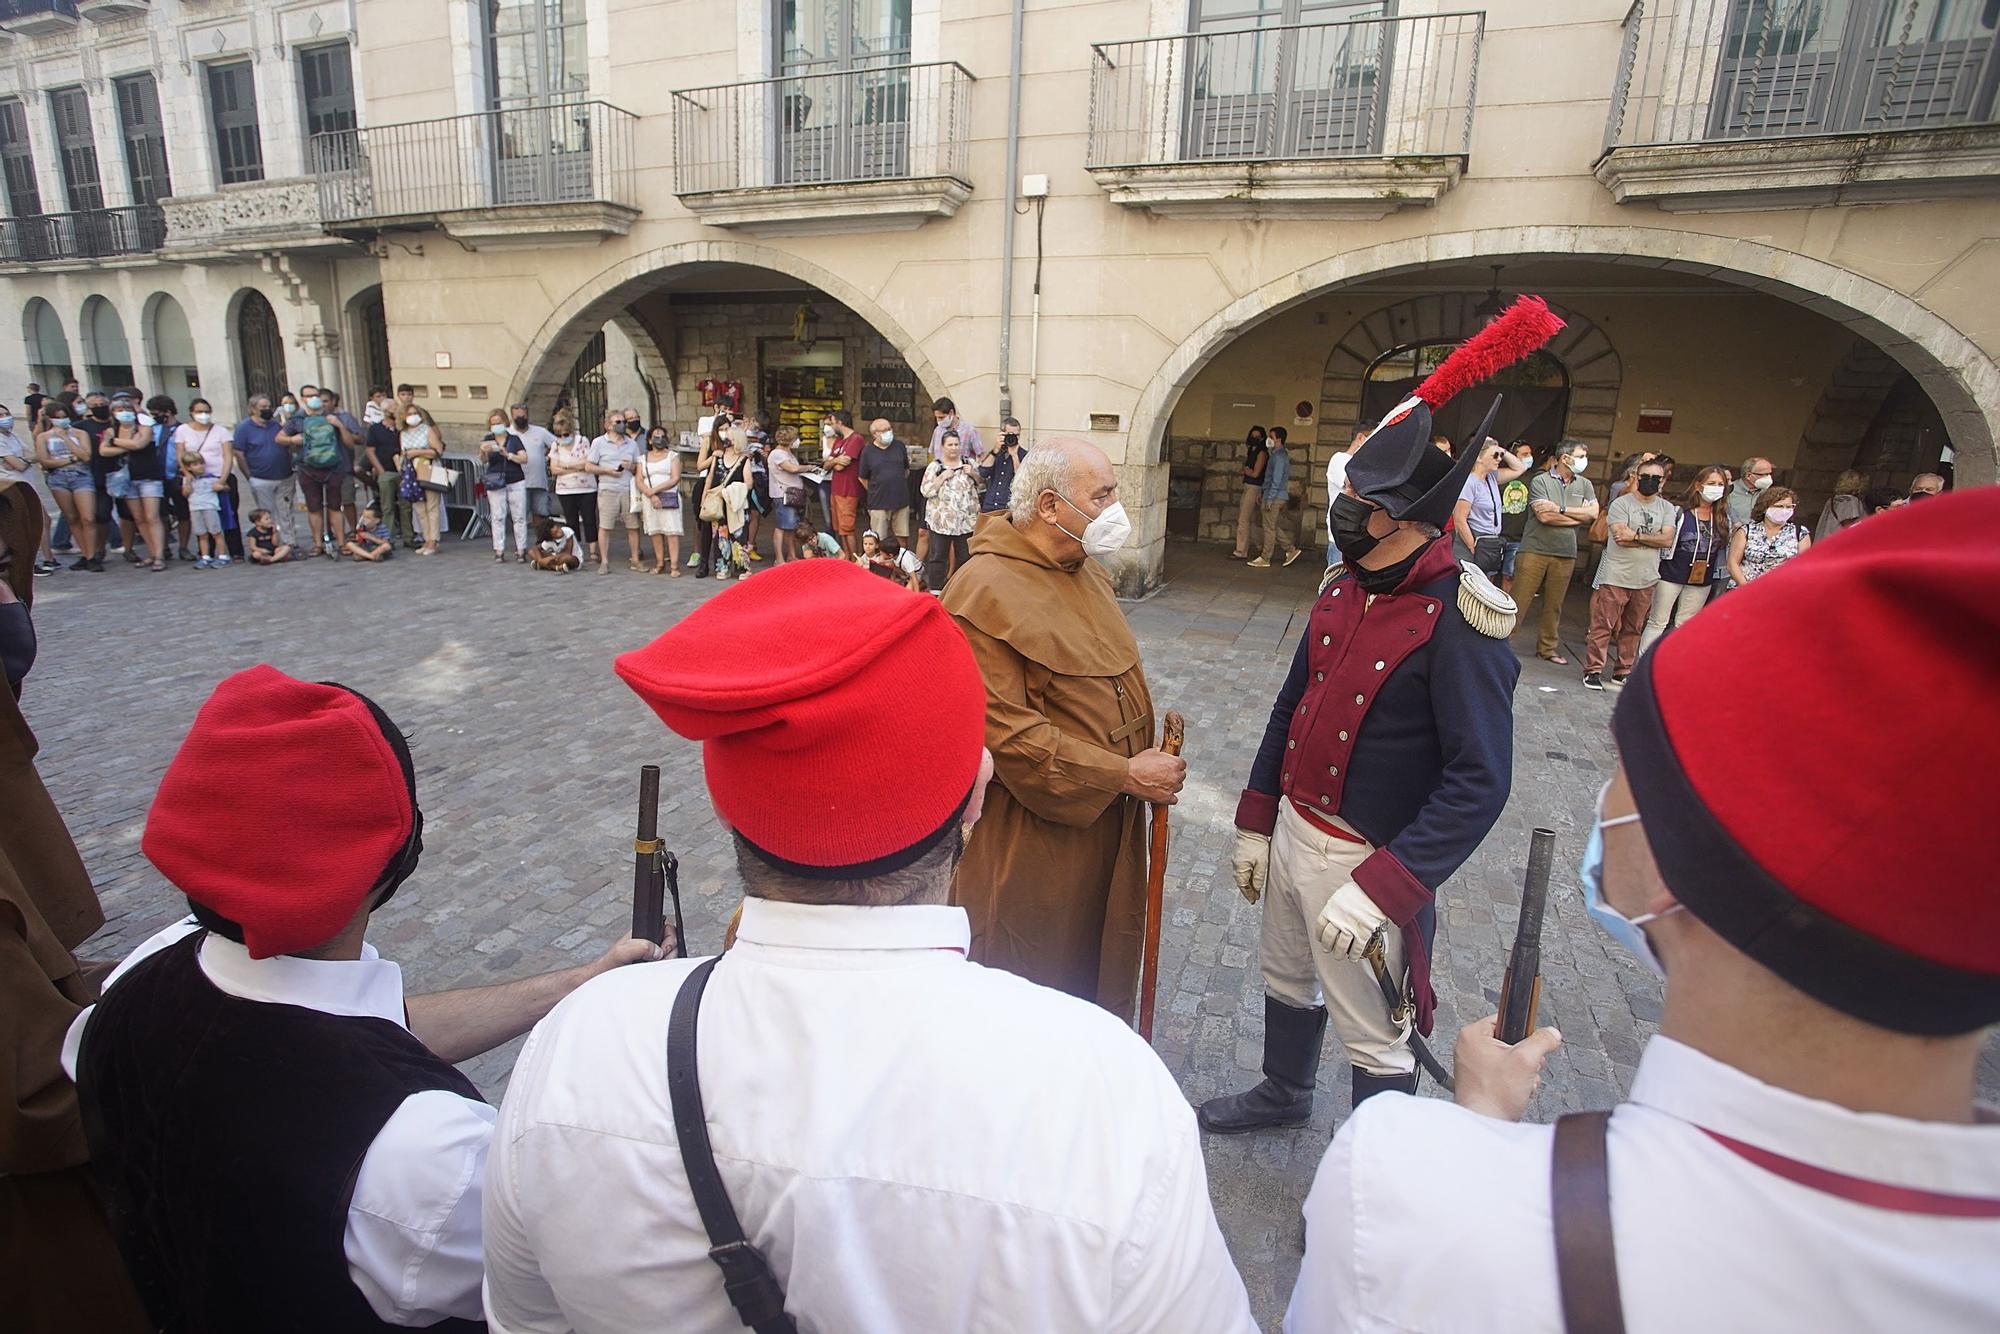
1347	921
1250	862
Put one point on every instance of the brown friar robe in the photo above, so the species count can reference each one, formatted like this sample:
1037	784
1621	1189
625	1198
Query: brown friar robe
59	1267
1054	876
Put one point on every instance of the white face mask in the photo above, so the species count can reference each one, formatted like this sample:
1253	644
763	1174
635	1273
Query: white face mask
1779	514
203	418
1760	483
1578	463
888	437
499	431
1103	535
1712	492
371	414
413	420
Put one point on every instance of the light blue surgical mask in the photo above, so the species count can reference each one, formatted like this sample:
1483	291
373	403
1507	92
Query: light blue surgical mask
313	404
127	416
1626	931
6	423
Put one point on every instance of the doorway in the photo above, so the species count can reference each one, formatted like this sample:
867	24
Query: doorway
800	385
373	316
844	91
1287	78
260	348
1852	67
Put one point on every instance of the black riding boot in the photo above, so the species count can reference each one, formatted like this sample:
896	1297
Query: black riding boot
1291	1061
1367	1085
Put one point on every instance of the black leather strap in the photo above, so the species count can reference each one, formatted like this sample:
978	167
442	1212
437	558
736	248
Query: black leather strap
1580	1205
746	1276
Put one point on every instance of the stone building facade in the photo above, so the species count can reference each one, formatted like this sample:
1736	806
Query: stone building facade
1757	253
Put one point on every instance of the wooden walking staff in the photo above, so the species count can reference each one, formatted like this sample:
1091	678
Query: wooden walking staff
1156	883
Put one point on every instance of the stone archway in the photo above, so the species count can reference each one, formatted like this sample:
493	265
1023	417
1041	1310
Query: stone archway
1595	371
554	347
1961	378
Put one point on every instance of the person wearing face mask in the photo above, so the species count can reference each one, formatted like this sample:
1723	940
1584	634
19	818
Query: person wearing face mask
1387	757
422	445
885	480
1770	538
998	466
324	444
1695	565
1640	526
505	458
1753	481
1054	876
1514	511
137	443
64	453
18	464
382	461
1801	1147
1925	485
268	465
537	440
1561	501
1256	456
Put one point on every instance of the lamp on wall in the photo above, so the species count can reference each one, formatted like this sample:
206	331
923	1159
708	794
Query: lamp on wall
805	325
1487	310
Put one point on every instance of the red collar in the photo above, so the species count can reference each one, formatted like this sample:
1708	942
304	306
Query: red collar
1876	1194
1436	562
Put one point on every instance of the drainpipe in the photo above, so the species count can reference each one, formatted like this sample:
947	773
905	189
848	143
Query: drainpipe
1013	202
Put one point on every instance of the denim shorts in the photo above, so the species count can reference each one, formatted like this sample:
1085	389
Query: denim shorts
785	516
75	477
145	490
1509	552
117	485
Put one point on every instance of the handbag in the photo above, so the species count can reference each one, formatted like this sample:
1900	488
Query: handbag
714	509
407	486
1489	553
437	477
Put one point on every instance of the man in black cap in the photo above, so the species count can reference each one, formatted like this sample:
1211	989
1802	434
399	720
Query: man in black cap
1387	757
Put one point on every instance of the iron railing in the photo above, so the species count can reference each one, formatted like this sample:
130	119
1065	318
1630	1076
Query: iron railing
98	233
874	123
542	154
1694	71
1370	87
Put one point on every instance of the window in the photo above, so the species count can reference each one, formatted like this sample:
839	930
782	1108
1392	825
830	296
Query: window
535	52
145	136
232	111
846	95
326	76
17	162
76	148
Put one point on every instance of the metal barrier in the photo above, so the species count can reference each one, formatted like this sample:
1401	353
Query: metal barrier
1704	70
98	233
548	153
1371	87
875	123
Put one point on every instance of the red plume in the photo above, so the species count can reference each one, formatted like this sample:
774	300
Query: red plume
1520	329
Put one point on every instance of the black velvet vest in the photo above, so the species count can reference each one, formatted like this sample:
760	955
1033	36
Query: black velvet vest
226	1136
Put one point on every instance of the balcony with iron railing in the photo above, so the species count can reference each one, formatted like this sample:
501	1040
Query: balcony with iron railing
875	148
1353	119
1746	104
82	237
538	174
36	18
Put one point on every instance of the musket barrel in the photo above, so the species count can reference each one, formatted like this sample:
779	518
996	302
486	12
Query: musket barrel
648	915
1520	991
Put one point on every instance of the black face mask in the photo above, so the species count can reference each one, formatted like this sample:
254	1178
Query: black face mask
1649	486
102	414
521	423
17	644
1350	529
1389	577
1920	495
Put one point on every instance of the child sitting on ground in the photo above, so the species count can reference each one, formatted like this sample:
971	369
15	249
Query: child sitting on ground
813	543
371	539
555	547
264	547
205	514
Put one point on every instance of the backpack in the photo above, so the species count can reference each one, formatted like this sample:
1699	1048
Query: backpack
322	447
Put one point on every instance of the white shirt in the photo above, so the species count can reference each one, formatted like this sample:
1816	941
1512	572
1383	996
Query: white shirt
1427	1218
412	1238
917	1144
536	440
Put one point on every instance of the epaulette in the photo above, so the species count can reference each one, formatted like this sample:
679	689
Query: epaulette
1333	572
1485	608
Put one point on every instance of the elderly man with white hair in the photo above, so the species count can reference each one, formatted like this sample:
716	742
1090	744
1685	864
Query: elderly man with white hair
1054	875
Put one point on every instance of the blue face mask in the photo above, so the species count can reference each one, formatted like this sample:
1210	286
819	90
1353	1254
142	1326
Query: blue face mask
127	417
1626	931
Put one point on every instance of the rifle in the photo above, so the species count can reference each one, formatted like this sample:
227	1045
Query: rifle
1172	733
655	871
1521	989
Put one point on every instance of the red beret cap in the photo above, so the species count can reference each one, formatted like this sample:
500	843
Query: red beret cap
282	810
1811	757
808	687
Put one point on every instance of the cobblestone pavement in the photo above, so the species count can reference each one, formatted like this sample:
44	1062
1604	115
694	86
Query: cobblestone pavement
527	750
